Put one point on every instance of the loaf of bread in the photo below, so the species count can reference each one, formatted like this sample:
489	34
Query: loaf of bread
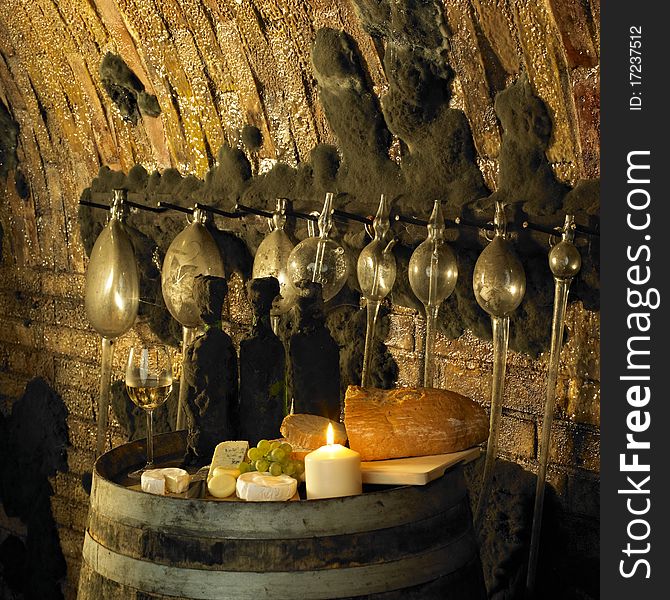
309	431
404	422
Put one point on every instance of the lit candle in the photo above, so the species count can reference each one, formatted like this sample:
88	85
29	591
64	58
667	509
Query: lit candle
332	470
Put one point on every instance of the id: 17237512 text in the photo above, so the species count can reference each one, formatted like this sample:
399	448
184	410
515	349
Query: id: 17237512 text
635	67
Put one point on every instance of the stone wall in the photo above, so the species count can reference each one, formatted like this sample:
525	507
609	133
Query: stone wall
213	67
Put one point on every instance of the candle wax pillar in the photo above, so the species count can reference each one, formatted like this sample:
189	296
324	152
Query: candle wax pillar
333	471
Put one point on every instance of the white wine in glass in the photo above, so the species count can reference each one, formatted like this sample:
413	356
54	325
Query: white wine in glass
149	383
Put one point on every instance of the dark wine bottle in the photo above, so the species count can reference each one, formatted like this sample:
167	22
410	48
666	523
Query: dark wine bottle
262	368
210	372
314	357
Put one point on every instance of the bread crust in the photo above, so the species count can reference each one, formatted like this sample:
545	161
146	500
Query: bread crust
309	431
404	422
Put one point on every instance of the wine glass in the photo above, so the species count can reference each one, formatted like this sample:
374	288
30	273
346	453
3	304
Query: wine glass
149	383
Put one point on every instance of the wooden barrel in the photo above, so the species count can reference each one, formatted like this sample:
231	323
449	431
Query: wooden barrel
388	543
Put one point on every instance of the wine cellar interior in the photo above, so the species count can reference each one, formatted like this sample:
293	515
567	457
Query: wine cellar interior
240	102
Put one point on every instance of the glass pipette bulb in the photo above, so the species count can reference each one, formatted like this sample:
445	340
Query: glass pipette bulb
433	272
193	252
271	259
376	270
320	259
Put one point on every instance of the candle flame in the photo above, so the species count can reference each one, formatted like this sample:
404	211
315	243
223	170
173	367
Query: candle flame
330	435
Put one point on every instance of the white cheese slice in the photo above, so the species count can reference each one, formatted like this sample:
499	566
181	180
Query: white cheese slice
228	454
263	487
153	482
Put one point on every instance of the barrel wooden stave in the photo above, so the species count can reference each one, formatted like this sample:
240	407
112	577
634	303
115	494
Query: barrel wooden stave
230	554
418	542
455	586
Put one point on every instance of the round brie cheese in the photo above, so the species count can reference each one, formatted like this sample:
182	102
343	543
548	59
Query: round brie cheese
263	487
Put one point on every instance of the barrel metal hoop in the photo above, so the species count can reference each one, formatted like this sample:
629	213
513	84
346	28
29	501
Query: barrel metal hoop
321	584
229	554
288	520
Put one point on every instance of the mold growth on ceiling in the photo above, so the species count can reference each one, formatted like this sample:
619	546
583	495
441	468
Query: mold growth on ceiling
9	139
437	151
433	157
126	90
9	160
354	113
525	174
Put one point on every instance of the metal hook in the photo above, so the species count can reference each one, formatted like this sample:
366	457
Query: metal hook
466	222
552	231
187	211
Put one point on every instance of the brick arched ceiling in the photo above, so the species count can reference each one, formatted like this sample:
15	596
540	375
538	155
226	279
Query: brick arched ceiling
215	65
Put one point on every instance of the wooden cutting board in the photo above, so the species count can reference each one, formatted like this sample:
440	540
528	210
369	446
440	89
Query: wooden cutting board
418	470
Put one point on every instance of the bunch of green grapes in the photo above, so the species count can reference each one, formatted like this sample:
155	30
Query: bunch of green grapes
274	458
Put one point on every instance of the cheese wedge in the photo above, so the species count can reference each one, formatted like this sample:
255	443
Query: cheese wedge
263	487
176	480
153	482
228	454
169	479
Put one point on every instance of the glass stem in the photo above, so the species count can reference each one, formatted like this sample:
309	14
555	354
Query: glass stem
318	260
560	304
274	323
150	439
188	335
373	311
429	350
500	341
103	401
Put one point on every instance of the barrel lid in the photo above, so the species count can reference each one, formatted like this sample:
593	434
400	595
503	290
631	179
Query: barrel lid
378	507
